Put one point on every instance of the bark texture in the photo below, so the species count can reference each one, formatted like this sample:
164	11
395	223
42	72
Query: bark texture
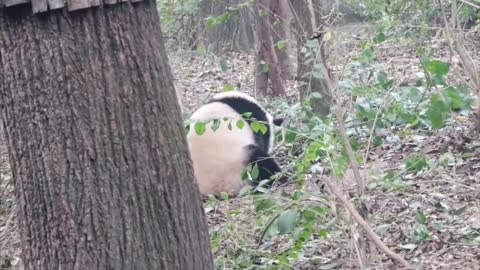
279	18
266	55
102	173
306	20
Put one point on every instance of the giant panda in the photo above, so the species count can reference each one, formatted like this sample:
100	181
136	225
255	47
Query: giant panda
220	156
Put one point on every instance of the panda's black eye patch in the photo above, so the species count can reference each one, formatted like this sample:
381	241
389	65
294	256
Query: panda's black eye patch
278	121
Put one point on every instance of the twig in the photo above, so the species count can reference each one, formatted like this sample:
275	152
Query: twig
369	232
5	186
348	149
470	4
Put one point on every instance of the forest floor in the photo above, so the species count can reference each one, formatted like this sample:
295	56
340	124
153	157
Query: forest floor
443	200
448	193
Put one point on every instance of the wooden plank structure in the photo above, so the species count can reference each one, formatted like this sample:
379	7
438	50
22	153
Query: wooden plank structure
39	6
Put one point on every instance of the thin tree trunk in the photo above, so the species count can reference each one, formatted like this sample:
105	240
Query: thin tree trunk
266	55
279	19
310	78
97	150
234	34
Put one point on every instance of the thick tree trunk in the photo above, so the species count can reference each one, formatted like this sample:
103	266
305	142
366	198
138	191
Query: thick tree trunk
279	17
98	154
312	76
266	55
235	34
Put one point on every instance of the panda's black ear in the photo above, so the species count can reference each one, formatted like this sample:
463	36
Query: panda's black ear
278	121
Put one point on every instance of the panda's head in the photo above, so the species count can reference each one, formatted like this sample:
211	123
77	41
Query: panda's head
243	103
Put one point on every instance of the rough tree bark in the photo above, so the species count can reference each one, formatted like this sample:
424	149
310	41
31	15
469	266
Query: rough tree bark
97	150
306	20
279	18
266	55
235	34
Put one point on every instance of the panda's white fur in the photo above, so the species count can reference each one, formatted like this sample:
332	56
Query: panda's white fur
219	157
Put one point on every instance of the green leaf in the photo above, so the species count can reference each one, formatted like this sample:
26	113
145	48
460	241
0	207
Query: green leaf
367	54
316	95
228	87
246	172
200	128
224	196
362	91
437	67
421	217
435	117
383	80
458	97
287	221
210	22
240	124
247	114
379	38
265	67
323	233
381	77
263	13
377	141
223	65
421	234
437	110
215	124
255	172
259	127
416	163
290	136
281	44
214	21
263	204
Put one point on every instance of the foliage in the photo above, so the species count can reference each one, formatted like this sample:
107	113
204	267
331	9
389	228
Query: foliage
178	19
275	230
297	220
214	21
413	19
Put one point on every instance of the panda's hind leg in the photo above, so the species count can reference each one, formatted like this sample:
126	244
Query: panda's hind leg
267	166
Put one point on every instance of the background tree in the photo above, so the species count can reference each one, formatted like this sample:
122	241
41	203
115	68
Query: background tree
279	19
312	71
99	159
267	67
226	25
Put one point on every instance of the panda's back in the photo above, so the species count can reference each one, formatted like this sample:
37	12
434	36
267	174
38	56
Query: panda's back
219	156
228	131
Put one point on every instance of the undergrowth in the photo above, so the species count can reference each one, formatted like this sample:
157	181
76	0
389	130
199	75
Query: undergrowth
295	226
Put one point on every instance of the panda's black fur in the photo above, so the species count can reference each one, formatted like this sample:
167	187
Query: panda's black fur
229	147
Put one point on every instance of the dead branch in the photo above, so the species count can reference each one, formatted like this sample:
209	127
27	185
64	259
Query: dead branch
456	44
348	148
368	230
